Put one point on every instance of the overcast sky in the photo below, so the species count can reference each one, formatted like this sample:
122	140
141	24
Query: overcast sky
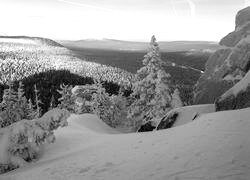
120	19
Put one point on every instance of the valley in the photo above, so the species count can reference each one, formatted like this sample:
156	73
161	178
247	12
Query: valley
115	110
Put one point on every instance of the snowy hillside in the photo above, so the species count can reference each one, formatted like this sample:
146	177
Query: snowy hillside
28	40
214	146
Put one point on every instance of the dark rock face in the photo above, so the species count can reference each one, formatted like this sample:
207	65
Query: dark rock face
146	127
242	17
210	90
242	100
233	38
237	97
228	65
167	121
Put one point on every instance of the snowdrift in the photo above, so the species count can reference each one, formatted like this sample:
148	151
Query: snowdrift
214	146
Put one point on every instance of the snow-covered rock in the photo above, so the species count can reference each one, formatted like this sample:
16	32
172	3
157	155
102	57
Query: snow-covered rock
233	61
237	97
184	115
215	146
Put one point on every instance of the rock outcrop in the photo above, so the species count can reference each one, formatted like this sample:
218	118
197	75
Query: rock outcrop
227	65
183	115
237	97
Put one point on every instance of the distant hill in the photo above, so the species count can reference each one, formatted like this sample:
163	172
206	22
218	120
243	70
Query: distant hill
167	46
29	40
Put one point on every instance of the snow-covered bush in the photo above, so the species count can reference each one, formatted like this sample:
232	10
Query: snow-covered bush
111	109
21	142
151	92
83	96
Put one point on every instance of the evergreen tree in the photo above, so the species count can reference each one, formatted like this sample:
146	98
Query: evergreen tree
66	100
101	103
176	100
22	103
151	92
31	112
84	98
37	103
52	103
9	107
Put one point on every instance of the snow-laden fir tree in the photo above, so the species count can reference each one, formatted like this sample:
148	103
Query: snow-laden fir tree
37	103
15	106
22	103
102	105
84	97
52	103
118	110
31	112
66	100
151	93
9	113
176	100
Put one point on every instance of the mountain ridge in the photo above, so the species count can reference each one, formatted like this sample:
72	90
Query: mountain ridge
114	44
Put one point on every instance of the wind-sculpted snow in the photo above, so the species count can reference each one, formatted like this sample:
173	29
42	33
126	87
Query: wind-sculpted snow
215	146
22	141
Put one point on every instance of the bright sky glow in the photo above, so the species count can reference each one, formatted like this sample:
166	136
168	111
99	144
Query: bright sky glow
120	19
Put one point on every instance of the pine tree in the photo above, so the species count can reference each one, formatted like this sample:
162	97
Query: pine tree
37	103
52	103
31	112
102	105
22	103
176	100
9	108
151	92
66	100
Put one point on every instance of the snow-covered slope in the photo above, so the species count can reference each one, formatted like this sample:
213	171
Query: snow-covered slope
215	146
28	40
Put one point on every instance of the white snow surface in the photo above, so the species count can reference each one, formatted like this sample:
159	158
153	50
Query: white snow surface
215	146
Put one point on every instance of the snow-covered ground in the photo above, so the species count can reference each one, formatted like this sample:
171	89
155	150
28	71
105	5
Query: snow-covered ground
214	146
